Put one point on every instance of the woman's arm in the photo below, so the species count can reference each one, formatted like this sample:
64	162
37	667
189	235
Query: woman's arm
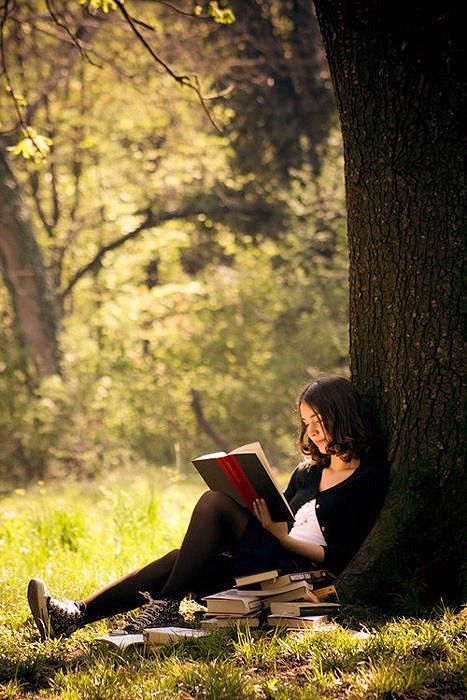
280	530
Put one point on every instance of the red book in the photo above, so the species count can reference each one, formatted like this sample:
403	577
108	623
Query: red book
245	475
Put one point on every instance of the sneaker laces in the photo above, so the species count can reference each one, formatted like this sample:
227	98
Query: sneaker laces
65	606
65	617
156	613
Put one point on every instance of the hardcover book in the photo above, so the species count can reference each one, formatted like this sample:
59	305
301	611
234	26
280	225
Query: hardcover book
297	622
290	591
245	475
232	601
261	577
164	635
299	591
302	608
214	623
286	579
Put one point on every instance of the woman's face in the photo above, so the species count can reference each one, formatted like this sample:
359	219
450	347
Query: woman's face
314	427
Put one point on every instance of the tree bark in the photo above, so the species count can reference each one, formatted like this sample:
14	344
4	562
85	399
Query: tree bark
399	87
26	278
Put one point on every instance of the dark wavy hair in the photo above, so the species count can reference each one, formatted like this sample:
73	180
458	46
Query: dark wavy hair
344	415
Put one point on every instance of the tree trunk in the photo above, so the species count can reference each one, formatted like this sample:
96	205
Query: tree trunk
25	276
399	87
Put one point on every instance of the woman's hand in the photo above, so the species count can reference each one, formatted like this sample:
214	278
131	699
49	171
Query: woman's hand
280	530
261	510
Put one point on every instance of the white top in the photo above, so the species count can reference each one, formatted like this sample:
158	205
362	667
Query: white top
306	526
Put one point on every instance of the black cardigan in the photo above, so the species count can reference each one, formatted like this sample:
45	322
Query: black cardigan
346	512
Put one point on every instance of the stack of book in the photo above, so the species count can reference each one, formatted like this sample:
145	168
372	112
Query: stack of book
231	607
257	599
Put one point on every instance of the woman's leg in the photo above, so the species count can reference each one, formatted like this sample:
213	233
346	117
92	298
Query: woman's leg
126	593
217	524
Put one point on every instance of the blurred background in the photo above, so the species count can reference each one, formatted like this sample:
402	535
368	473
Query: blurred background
172	236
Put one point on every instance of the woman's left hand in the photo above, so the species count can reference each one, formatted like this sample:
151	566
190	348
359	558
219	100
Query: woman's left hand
261	510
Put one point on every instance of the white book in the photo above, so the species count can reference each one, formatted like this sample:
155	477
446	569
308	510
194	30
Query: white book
210	623
260	577
233	601
164	635
122	641
317	621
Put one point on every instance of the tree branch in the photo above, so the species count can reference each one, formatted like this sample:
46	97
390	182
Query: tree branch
186	80
150	221
183	12
219	439
34	182
62	25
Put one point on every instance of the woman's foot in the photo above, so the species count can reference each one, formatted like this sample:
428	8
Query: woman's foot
163	612
53	618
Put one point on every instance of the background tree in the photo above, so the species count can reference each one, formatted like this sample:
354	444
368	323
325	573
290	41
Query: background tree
25	275
175	266
282	103
399	87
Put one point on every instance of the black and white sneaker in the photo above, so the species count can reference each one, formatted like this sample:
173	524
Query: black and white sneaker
163	612
53	618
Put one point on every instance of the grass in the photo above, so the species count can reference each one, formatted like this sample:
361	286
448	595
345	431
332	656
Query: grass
79	537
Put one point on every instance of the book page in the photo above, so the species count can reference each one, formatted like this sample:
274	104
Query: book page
213	455
255	448
122	641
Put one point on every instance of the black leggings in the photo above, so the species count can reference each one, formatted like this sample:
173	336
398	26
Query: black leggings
199	566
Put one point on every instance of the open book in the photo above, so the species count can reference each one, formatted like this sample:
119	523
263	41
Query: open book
152	637
245	475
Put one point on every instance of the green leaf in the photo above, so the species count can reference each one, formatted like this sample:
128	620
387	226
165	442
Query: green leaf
220	15
32	145
104	5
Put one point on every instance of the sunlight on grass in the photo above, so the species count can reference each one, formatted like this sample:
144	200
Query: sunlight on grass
90	529
81	536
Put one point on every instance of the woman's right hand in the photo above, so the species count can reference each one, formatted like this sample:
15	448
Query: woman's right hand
261	510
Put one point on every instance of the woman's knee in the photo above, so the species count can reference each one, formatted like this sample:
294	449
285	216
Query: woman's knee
216	506
172	555
213	499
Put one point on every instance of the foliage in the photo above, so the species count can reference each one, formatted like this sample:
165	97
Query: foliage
232	286
104	5
80	537
221	15
282	110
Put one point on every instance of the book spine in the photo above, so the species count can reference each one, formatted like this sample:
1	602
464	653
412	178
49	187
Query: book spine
235	473
285	581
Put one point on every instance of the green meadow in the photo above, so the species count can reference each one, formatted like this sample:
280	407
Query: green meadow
78	537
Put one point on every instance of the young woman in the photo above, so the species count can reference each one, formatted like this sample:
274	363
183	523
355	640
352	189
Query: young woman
335	493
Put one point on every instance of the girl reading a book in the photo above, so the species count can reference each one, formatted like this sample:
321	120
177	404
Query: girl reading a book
335	493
